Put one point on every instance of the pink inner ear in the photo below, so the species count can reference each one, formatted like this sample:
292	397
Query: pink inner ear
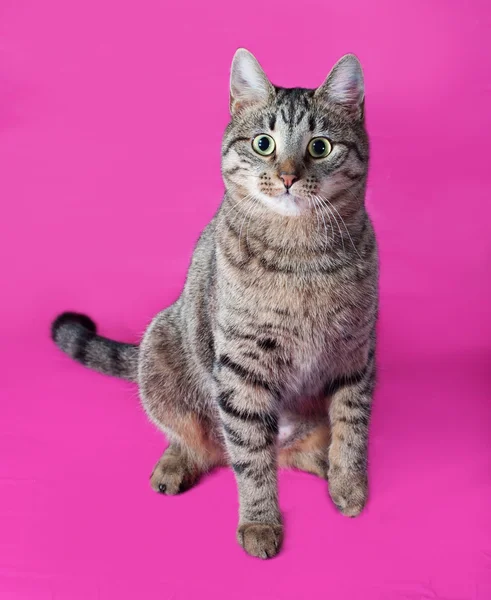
248	82
344	84
345	88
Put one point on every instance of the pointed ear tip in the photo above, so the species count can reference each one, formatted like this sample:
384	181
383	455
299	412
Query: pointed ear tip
242	53
351	58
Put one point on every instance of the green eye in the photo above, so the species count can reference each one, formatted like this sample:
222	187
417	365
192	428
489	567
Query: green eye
263	144
319	147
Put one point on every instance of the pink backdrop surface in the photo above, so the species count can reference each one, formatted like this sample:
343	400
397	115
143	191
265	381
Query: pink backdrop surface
111	115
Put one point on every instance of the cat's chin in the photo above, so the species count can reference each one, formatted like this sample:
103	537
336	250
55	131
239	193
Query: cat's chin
287	205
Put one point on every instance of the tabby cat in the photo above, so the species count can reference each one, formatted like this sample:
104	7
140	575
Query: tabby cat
267	358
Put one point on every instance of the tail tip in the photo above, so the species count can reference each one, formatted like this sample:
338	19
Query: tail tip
70	318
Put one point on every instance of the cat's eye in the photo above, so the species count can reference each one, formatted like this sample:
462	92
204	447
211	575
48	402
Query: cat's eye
263	144
319	147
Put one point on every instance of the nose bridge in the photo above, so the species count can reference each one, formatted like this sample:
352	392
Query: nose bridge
287	166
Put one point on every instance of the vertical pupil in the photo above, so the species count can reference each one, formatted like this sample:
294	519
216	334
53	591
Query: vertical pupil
263	144
319	147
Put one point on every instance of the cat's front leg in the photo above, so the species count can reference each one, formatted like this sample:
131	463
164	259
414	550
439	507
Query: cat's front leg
349	412
247	405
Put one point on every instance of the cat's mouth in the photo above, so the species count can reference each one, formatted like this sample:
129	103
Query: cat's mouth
287	203
289	200
291	197
287	196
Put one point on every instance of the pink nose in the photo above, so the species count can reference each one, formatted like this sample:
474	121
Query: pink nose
288	179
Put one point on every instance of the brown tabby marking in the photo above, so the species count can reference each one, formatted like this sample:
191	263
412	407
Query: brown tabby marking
175	472
274	334
309	453
196	436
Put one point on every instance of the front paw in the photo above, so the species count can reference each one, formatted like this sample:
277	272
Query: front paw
348	490
262	540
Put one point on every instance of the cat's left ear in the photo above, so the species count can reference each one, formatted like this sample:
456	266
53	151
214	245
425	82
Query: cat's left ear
248	82
344	86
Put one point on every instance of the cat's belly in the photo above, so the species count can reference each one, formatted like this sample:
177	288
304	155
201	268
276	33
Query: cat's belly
294	426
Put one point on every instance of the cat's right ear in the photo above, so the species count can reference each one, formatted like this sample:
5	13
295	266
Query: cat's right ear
248	82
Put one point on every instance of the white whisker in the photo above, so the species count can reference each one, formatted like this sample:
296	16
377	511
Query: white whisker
317	206
247	213
234	206
312	206
249	221
345	226
329	214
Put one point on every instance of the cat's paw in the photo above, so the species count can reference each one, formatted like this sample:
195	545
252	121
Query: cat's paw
173	475
348	491
262	540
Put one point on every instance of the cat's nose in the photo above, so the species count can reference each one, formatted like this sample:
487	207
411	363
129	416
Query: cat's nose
288	179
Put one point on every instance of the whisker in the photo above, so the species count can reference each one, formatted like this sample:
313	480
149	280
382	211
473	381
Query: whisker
256	205
235	207
253	205
345	226
312	203
317	205
349	190
329	213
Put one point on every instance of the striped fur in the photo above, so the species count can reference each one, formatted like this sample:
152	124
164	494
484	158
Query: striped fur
268	356
76	335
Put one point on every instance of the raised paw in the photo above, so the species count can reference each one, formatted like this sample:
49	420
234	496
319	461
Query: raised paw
262	540
348	491
173	474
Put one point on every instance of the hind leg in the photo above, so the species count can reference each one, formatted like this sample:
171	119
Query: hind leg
308	450
192	452
175	472
175	399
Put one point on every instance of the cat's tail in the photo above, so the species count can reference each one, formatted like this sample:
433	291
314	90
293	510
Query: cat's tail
76	335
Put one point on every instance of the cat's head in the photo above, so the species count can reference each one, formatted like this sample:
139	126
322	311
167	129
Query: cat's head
293	149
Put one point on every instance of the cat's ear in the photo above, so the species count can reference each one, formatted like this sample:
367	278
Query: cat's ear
344	86
248	82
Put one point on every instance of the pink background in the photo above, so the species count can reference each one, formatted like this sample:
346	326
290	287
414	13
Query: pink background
111	115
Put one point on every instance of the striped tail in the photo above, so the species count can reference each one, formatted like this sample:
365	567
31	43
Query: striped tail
76	335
